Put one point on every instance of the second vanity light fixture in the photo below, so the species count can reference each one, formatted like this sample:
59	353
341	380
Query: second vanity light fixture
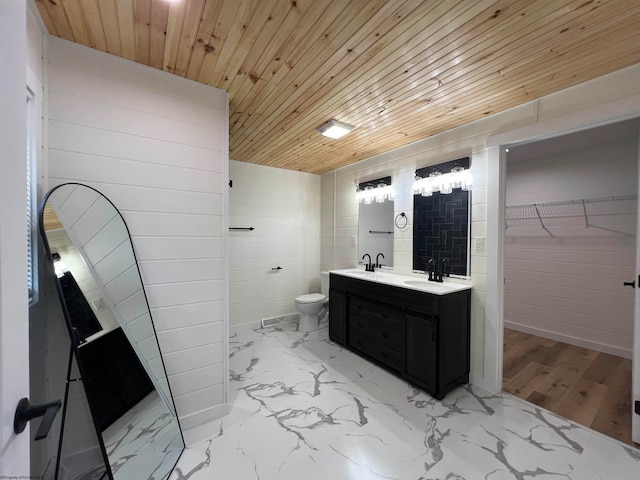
443	178
335	129
376	191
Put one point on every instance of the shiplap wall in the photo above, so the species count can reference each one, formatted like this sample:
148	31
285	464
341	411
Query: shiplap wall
100	236
566	284
284	208
156	145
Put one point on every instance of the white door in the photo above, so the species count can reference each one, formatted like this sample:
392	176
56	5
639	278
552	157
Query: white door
635	386
14	315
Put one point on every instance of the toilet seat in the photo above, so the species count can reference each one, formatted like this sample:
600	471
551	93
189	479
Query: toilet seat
311	298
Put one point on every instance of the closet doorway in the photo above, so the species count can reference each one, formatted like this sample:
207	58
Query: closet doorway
569	246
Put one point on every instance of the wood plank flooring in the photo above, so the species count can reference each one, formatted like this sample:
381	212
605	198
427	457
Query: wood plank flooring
589	387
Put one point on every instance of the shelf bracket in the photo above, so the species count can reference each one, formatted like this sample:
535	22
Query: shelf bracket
535	205
584	210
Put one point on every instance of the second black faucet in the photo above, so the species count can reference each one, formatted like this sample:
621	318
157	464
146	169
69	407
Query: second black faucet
368	267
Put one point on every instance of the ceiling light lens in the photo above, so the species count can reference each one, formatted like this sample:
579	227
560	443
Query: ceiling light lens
335	129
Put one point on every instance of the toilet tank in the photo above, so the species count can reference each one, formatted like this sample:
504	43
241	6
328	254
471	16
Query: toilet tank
324	283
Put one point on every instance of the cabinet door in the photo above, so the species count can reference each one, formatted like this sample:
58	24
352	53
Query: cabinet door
420	350
338	317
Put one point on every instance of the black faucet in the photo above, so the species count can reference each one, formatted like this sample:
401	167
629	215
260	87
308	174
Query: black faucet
377	259
369	266
443	264
434	275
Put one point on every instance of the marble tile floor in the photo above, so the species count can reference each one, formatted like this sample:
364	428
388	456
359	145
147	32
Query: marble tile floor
145	442
302	407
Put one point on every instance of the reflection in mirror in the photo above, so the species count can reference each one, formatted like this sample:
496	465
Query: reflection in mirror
441	219
375	221
112	332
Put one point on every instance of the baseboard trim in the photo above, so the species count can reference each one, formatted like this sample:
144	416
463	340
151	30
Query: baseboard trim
200	425
288	318
579	342
478	382
244	326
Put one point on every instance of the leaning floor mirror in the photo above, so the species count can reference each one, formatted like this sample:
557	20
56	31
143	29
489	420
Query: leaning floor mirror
113	340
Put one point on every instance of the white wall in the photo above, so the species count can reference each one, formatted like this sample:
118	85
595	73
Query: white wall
14	352
566	283
284	208
156	145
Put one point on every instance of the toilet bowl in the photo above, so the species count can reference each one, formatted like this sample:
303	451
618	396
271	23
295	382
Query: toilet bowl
311	308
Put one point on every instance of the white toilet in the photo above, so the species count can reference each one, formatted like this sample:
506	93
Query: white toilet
313	306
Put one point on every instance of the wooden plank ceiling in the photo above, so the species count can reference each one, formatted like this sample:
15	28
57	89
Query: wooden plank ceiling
398	70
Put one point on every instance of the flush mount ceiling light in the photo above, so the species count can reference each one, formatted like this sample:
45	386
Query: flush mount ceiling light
335	129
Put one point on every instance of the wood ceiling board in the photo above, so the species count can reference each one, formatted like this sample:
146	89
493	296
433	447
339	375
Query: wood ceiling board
217	39
126	28
256	63
192	18
56	14
305	78
142	28
93	22
291	65
158	33
296	47
365	99
485	79
109	15
75	18
173	33
210	16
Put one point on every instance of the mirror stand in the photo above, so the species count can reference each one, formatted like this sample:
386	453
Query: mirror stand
123	391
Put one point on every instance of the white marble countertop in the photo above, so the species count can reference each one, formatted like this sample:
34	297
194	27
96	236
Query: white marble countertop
404	281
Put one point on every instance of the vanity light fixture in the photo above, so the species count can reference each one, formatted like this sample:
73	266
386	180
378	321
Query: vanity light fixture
432	179
335	129
377	191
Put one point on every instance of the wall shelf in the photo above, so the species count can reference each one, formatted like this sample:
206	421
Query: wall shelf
581	212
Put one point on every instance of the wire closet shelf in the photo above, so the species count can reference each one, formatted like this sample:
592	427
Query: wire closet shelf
583	212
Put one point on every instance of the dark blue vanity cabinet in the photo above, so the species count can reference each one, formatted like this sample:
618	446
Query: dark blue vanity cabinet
420	336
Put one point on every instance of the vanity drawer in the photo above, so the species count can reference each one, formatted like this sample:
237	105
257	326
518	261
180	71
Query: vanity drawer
375	311
376	350
388	334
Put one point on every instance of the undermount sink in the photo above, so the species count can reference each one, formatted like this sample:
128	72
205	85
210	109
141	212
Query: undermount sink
365	273
423	284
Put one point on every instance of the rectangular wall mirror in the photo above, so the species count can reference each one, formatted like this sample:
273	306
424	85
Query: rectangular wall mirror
375	221
441	217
